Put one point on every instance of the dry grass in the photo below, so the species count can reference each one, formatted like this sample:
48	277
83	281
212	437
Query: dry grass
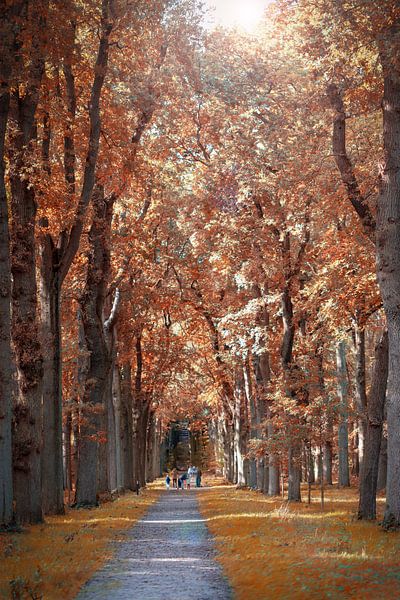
53	560
272	550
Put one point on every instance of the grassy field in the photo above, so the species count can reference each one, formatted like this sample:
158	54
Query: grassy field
52	560
272	550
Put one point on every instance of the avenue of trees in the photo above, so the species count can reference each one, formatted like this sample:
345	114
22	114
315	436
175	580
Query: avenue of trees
198	224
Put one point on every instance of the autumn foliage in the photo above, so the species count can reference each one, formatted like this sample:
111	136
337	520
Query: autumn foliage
192	220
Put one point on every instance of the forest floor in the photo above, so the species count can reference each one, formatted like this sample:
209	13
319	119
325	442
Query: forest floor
270	549
51	561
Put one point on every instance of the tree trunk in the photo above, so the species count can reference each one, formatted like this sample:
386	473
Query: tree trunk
273	468
343	433
27	411
150	450
56	262
51	457
294	452
267	471
382	467
240	426
68	453
92	306
112	416
6	365
116	396
327	462
388	256
140	440
294	473
127	427
375	415
227	446
361	394
25	323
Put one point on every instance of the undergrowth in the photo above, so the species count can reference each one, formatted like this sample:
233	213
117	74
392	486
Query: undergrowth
272	549
51	561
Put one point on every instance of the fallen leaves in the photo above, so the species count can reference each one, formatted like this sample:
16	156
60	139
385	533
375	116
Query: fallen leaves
308	554
53	560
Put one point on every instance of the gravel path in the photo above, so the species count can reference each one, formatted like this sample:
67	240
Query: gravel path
167	555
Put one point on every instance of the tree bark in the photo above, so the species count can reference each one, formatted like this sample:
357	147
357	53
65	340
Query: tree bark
92	306
240	429
375	416
127	426
51	458
343	433
388	256
361	394
7	42
25	322
294	453
382	467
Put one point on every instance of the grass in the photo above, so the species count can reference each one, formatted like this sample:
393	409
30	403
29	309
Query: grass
54	559
274	550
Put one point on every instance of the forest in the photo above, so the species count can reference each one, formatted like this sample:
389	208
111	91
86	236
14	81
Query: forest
198	225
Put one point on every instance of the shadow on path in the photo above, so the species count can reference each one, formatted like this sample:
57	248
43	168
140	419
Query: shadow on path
168	555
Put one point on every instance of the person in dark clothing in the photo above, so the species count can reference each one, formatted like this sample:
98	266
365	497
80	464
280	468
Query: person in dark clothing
198	478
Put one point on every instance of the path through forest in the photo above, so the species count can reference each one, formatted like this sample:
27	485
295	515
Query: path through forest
169	554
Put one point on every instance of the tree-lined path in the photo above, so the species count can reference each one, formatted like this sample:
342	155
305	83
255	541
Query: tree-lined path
199	265
168	554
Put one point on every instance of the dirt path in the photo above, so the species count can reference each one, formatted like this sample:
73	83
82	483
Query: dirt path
168	555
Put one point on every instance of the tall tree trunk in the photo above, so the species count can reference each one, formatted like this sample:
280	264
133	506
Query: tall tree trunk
327	461
56	262
127	427
375	415
52	460
386	234
112	402
226	432
328	433
253	422
388	256
294	453
262	375
273	466
68	453
141	418
382	466
150	449
92	306
240	428
361	394
116	396
140	437
6	365
343	433
25	322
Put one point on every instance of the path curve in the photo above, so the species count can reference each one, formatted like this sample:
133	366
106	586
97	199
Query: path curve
168	555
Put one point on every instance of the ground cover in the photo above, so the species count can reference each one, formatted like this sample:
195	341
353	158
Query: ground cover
274	550
52	560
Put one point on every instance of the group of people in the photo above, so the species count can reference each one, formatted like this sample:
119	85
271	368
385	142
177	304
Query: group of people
184	480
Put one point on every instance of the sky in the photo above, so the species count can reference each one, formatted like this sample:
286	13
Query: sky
242	13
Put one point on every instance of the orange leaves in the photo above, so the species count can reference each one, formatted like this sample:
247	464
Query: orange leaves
265	545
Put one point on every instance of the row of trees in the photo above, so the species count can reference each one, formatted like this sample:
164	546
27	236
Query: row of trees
194	218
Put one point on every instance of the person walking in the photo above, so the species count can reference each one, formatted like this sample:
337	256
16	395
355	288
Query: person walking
167	481
198	478
174	478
